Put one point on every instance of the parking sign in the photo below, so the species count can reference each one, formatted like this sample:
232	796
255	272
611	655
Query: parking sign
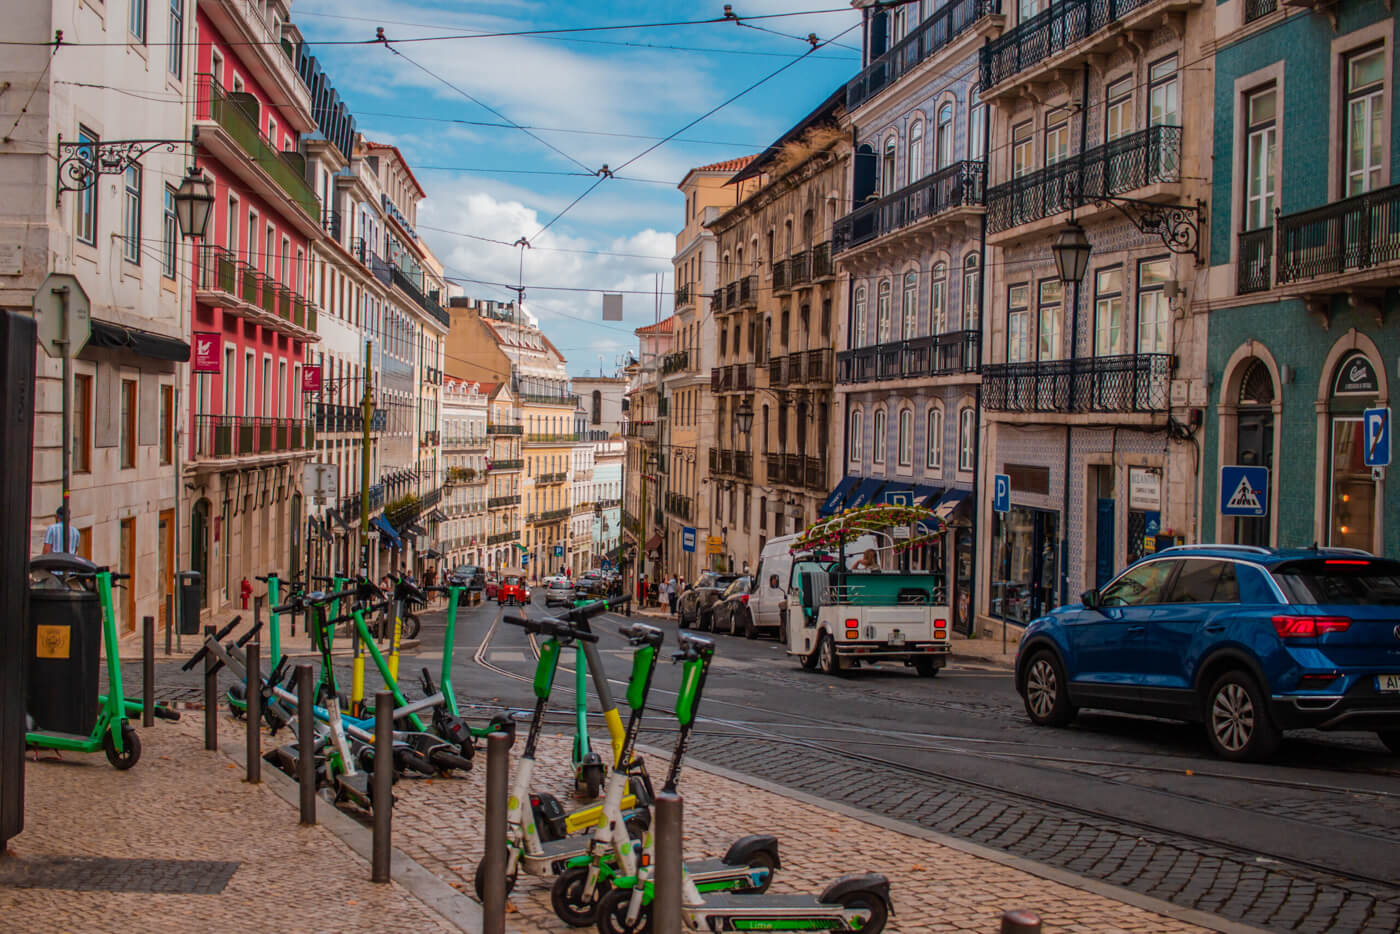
1377	437
1001	492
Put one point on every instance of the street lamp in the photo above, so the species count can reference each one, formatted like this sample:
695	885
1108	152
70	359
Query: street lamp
193	201
743	416
1071	249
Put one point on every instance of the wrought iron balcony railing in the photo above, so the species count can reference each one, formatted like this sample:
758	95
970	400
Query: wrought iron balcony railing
224	277
800	267
331	418
553	515
1056	28
552	438
781	281
1257	9
731	463
501	466
547	478
499	502
684	295
796	470
944	26
822	266
680	506
498	428
1356	233
227	436
1255	261
501	538
1123	383
549	398
1122	165
940	355
961	184
817	368
675	362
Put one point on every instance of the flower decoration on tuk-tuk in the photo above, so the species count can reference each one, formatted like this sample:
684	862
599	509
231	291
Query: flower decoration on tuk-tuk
876	518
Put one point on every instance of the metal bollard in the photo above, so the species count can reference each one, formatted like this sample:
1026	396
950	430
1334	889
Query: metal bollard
382	792
1020	922
253	695
494	882
211	697
169	620
148	671
306	744
666	909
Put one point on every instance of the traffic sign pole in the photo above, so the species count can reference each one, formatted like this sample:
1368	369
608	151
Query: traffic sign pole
65	346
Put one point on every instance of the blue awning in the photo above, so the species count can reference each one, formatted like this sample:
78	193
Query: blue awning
897	493
834	501
865	493
387	530
951	501
926	495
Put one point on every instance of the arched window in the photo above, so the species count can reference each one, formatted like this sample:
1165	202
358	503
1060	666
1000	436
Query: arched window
967	430
858	319
857	436
888	182
915	167
938	299
906	438
909	310
976	127
943	139
933	439
882	313
877	441
972	292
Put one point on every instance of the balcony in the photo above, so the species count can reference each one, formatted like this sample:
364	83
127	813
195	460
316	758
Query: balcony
1127	383
1349	243
432	438
236	114
717	300
948	354
241	289
335	419
675	362
782	282
680	506
350	505
1147	157
548	478
731	296
500	502
685	296
955	192
500	538
495	428
738	464
736	377
554	515
1255	261
822	266
818	366
1257	9
503	466
330	223
748	291
645	429
557	438
799	368
548	398
945	26
1047	45
222	437
796	470
800	268
412	285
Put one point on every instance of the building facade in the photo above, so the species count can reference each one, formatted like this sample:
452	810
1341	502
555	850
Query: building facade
465	450
504	469
609	458
643	521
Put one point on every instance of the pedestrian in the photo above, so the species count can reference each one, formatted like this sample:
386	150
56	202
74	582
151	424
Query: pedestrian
53	535
641	590
671	594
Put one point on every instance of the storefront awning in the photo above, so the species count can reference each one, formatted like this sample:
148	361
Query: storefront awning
865	492
387	530
654	543
437	515
953	502
139	342
837	497
896	493
413	528
927	495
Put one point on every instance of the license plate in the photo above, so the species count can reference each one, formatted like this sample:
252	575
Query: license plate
1388	683
897	638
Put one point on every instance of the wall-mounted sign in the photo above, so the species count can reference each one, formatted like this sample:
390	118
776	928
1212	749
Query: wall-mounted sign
1356	377
208	348
1144	488
311	377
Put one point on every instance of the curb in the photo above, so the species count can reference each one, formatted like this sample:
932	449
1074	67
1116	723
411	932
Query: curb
1050	873
457	909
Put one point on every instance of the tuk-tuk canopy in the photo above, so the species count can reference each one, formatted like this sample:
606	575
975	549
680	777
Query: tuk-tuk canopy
880	519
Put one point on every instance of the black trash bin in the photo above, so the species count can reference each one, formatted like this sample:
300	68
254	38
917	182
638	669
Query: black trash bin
64	638
191	601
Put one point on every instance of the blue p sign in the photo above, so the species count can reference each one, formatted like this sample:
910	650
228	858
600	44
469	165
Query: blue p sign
1376	437
1001	493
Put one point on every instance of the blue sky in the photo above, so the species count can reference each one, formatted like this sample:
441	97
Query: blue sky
627	87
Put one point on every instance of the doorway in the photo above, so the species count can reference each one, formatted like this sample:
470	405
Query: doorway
1254	442
126	564
1105	517
165	564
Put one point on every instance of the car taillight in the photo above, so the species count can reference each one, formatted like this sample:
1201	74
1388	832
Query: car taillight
1355	561
745	599
1309	627
1317	680
852	624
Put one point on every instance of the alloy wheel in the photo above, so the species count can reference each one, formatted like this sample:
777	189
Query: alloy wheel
1041	687
1232	717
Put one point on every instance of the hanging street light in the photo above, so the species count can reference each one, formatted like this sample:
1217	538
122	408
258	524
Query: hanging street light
743	417
1071	249
193	201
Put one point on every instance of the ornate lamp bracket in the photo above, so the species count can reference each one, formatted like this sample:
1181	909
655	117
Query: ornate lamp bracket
80	164
1179	225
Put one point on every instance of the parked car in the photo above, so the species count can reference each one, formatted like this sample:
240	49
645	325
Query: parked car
513	589
696	605
560	590
474	577
731	613
1249	641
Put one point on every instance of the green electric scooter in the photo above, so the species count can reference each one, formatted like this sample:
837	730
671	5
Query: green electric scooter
448	721
111	732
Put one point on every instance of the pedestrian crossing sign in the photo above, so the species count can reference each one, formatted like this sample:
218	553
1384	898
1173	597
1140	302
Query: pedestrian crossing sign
1244	491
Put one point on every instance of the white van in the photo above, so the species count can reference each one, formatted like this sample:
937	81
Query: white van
772	581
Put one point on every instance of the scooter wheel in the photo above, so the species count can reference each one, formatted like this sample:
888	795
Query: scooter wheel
411	625
131	749
566	896
480	880
868	901
612	914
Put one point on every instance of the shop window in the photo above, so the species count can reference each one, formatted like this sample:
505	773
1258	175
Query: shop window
1025	574
1352	488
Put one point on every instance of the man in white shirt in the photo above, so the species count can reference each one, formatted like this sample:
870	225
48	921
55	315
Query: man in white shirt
53	535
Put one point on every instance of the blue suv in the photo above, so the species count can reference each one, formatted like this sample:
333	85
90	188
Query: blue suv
1249	641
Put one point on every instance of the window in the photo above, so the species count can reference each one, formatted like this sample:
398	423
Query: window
1017	315
1205	582
232	231
1365	77
85	204
909	313
887	177
938	299
899	23
976	127
1154	313
167	423
136	20
249	393
882	313
1118	121
943	153
169	234
877	441
906	437
131	214
1022	149
82	423
857	436
229	376
858	318
1261	114
1143	585
972	292
177	38
915	167
1162	93
933	440
128	424
1108	312
967	444
252	255
1056	136
282	388
1048	305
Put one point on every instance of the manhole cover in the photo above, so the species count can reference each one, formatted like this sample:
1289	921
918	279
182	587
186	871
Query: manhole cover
87	874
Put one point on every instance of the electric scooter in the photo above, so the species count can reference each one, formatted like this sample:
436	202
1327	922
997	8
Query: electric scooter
448	721
851	903
590	772
111	732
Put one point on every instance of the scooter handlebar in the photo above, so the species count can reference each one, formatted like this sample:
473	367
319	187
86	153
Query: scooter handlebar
557	628
642	634
692	647
582	614
267	577
204	649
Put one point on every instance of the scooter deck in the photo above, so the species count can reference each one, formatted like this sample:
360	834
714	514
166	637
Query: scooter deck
706	871
562	849
764	906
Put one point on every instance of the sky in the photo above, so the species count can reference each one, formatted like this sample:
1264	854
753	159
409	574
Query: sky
588	98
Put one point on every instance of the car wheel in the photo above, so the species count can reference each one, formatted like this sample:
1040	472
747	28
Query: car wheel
1391	738
750	630
925	667
1237	721
827	659
681	620
1047	691
705	623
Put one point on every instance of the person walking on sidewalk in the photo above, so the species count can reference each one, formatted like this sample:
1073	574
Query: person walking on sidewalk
671	594
53	535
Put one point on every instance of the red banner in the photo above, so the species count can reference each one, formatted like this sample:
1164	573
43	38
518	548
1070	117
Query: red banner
208	348
311	377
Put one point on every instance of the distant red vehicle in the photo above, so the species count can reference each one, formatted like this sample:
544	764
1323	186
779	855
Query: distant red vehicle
492	585
513	589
